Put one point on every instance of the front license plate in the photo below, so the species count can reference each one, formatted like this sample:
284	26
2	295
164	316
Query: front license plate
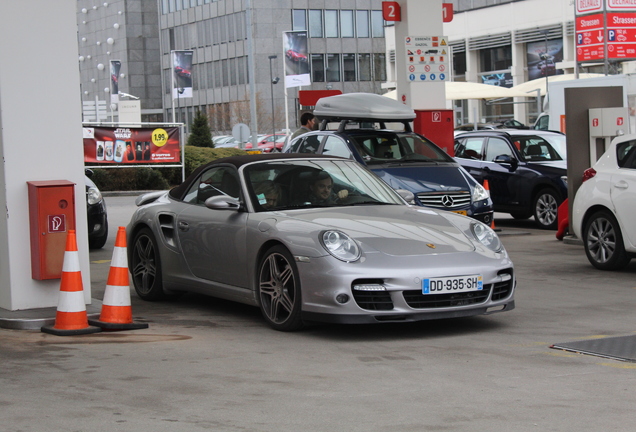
453	284
461	212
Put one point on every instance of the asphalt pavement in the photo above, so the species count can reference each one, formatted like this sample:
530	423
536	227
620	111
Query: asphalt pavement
209	364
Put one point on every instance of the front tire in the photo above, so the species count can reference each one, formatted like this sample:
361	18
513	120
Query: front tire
545	208
279	294
145	267
603	242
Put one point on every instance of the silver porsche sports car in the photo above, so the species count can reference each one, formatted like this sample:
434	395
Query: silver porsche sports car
314	239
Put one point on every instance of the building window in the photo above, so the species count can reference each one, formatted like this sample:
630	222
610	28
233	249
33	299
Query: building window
349	67
331	23
495	59
232	71
377	24
241	69
224	76
318	68
379	66
362	23
364	67
459	64
346	23
299	20
333	67
315	23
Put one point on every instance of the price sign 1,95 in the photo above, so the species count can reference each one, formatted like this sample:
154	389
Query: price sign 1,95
159	137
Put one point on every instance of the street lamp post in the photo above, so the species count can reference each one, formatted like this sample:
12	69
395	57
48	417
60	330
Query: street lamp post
272	81
180	91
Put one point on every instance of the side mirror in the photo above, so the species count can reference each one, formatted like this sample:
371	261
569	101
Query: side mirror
506	160
223	202
406	195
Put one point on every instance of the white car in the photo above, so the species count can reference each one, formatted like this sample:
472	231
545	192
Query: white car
605	205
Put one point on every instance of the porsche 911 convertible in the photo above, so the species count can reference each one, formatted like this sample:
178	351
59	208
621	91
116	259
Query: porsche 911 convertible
311	239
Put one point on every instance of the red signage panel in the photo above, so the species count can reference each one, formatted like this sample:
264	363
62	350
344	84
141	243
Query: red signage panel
391	11
621	35
447	12
590	37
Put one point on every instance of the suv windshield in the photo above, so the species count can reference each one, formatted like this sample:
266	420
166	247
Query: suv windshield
382	147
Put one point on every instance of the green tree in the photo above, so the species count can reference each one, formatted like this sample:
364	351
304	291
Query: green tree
200	135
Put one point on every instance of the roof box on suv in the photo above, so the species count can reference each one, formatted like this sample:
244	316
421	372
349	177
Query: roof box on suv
362	106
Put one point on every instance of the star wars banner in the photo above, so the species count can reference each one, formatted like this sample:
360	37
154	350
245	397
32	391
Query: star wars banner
111	145
182	74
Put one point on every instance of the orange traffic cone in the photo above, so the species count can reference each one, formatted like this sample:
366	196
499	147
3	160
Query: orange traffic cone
71	318
116	309
487	187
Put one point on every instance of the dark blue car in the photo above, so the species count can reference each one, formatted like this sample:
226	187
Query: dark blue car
405	160
526	170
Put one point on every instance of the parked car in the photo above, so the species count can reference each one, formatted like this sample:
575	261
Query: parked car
526	170
361	256
271	142
403	159
96	214
605	204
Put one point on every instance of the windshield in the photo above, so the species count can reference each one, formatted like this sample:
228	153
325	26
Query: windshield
382	147
558	143
285	185
535	148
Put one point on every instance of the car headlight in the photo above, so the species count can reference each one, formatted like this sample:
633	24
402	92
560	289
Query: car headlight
340	245
565	180
93	196
480	193
486	236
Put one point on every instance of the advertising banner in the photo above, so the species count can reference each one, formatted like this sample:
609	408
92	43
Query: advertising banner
296	59
121	145
115	66
542	58
182	74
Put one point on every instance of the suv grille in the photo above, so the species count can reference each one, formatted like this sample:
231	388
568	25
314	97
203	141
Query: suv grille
444	200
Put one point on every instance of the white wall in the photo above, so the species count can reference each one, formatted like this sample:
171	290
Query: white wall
41	136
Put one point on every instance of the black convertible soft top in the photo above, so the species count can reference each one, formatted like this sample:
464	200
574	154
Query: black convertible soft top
238	161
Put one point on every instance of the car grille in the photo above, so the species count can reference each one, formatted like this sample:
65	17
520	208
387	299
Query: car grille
501	290
373	300
417	300
381	300
444	200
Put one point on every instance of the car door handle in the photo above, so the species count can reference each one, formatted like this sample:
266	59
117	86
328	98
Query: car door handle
621	185
183	226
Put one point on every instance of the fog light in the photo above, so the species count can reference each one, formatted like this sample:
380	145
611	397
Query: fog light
342	298
369	287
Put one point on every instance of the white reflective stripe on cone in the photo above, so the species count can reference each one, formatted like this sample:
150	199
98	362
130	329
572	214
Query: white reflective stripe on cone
117	295
71	301
119	257
71	262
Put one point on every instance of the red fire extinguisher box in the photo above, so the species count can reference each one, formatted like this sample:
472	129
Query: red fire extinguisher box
51	215
437	125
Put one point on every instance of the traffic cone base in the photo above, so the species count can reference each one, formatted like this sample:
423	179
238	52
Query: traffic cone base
71	318
116	308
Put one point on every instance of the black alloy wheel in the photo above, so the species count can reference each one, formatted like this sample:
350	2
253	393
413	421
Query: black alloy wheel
145	266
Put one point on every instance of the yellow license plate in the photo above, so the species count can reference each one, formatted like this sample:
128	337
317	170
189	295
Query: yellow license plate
461	212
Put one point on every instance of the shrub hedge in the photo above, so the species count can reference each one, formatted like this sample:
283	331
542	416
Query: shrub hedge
141	178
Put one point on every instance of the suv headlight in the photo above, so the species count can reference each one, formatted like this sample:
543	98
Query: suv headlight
340	245
480	193
486	236
93	195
